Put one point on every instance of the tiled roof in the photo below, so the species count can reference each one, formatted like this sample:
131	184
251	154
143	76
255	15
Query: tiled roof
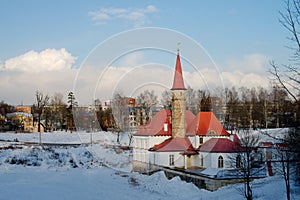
221	145
206	124
178	83
266	144
155	127
175	144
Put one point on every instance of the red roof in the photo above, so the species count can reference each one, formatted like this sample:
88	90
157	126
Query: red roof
178	83
220	145
175	144
206	124
155	127
266	144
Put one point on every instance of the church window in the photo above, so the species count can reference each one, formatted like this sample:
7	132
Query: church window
201	140
201	161
238	161
220	162
171	160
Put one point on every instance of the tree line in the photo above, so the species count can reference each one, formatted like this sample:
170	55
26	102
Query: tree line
236	108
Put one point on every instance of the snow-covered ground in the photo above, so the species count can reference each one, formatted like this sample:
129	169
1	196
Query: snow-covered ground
98	171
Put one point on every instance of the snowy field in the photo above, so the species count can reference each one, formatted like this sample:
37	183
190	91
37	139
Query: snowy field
98	171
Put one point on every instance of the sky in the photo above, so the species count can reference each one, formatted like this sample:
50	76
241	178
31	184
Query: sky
97	47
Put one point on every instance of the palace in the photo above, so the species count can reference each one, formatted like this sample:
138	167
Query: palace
177	138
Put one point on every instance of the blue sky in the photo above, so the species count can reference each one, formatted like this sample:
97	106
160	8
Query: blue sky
233	32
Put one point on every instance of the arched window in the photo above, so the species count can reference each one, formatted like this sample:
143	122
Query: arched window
220	162
171	160
201	161
201	140
238	161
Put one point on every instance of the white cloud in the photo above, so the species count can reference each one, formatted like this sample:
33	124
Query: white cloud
132	59
49	71
239	79
46	60
133	80
137	16
151	8
250	63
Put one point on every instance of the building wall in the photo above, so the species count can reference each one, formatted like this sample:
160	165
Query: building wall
25	109
141	153
210	160
163	159
153	140
141	145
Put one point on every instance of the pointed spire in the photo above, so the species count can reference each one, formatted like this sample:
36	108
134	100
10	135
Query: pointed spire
178	83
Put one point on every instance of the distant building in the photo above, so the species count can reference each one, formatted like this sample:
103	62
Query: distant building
21	121
25	109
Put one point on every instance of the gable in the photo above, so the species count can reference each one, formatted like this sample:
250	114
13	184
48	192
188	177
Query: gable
206	124
174	144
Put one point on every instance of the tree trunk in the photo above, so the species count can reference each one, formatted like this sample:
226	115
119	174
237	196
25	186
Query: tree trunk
39	123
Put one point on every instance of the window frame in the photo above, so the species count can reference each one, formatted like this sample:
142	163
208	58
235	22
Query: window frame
171	160
220	162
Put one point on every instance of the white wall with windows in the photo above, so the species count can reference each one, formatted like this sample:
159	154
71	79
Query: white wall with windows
169	159
217	160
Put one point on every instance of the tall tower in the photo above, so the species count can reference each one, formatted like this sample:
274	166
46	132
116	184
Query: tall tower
178	102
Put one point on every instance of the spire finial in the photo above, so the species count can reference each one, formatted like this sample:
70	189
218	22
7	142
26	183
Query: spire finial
178	43
178	83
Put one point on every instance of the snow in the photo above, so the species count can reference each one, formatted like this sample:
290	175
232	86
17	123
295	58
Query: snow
268	135
211	171
99	171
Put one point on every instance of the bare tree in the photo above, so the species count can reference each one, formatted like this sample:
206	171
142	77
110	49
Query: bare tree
120	112
166	99
232	108
245	161
263	107
286	156
288	76
41	102
58	110
283	165
145	101
192	100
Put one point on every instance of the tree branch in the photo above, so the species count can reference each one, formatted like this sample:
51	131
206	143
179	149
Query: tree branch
275	73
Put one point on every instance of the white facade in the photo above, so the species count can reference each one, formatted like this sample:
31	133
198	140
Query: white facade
217	160
142	144
141	153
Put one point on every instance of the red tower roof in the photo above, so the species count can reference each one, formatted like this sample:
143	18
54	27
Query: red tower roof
178	83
